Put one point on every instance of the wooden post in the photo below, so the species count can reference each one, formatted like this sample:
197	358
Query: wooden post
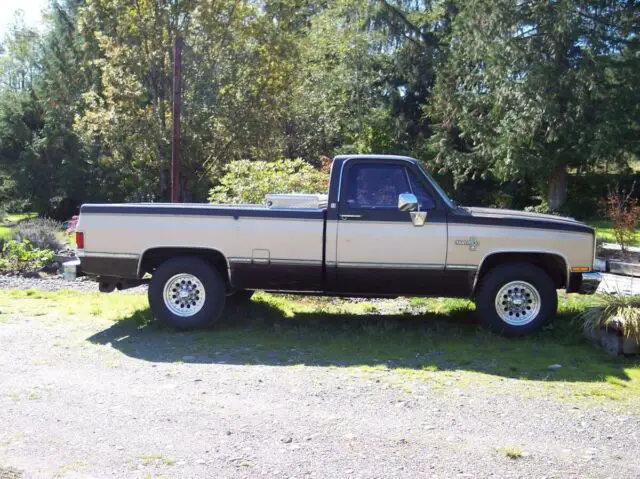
177	99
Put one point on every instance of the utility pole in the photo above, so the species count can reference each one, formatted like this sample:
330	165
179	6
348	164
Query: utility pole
177	100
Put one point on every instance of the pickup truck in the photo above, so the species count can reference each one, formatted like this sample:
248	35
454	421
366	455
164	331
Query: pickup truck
385	229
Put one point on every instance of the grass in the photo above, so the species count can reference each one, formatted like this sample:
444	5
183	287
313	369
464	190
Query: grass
511	452
12	219
149	459
18	217
432	341
604	232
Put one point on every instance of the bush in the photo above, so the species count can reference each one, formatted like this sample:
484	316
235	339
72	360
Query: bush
42	233
624	212
247	181
22	256
17	206
612	311
586	192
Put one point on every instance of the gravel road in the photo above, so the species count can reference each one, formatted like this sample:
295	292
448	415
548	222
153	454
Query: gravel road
88	398
54	283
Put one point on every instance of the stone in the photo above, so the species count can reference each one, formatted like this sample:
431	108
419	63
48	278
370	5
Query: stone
611	340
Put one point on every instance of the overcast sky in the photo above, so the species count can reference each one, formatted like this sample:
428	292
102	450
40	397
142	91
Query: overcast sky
31	9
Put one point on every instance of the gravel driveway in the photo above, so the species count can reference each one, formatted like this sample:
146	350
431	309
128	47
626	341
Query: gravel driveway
90	398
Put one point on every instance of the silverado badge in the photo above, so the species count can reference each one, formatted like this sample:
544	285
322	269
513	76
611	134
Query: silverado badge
472	242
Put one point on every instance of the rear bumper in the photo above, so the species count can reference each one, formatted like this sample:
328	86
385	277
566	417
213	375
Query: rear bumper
584	283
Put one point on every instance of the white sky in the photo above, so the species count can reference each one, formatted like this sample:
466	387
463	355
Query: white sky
31	9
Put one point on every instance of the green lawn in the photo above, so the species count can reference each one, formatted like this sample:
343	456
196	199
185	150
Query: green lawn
17	217
604	232
436	341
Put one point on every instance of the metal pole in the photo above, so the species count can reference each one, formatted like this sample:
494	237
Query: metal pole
177	99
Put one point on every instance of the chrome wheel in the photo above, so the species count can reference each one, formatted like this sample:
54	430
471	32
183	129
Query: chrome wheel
184	295
518	303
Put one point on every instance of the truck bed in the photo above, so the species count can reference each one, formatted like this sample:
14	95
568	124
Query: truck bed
252	238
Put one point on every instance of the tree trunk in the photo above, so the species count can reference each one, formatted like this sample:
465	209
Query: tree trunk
557	187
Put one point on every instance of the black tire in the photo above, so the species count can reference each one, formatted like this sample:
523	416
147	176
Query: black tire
211	281
490	287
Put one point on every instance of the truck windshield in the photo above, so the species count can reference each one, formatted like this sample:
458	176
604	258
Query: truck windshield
450	203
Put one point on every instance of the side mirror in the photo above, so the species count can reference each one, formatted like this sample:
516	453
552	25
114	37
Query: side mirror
407	202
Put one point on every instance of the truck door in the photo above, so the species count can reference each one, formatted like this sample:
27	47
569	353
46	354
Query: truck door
378	248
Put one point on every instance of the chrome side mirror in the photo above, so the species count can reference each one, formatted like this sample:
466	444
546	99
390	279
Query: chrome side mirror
407	202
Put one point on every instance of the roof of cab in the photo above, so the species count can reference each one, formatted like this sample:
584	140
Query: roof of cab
375	157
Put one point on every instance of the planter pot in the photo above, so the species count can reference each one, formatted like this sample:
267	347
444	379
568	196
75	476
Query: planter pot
612	341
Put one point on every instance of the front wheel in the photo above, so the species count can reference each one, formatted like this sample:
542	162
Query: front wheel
187	293
516	299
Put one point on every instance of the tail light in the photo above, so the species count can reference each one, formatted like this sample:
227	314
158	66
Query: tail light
79	240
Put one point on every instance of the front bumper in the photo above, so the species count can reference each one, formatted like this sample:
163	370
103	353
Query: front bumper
584	283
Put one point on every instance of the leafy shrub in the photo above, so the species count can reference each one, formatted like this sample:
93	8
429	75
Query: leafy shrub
624	212
17	206
41	232
22	256
247	181
621	312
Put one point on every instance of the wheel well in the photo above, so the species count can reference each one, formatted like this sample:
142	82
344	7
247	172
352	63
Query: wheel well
553	264
152	258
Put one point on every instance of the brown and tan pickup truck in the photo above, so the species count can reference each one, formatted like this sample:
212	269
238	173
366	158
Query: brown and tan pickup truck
385	229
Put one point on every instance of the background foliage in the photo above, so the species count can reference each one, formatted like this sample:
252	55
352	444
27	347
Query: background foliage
247	181
509	103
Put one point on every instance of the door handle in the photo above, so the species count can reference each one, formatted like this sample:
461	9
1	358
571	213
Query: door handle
350	217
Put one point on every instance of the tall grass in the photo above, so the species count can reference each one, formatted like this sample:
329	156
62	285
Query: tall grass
614	311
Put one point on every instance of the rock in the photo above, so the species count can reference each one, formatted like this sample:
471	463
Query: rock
287	439
554	367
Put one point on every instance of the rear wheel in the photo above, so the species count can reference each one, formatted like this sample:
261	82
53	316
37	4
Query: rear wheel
516	299
187	293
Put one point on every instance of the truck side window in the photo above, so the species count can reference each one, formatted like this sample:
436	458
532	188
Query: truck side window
376	186
424	197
